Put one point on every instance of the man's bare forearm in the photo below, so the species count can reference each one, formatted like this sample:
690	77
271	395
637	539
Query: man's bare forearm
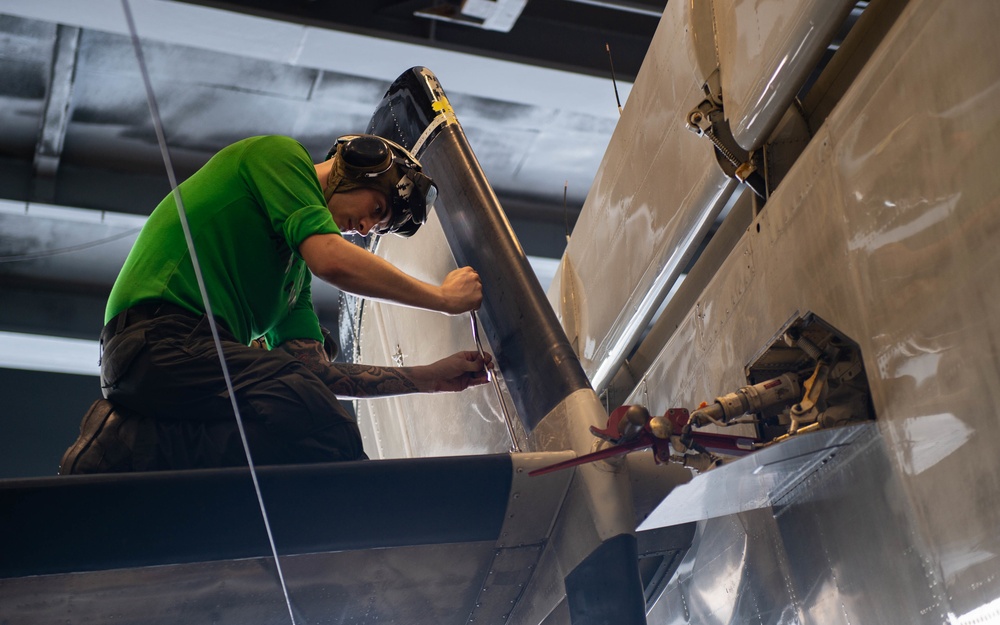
360	381
348	379
355	270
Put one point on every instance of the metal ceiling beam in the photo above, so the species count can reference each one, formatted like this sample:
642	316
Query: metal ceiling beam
652	8
560	34
58	107
312	39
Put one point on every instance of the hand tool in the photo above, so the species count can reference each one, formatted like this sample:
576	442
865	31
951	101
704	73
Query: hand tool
491	376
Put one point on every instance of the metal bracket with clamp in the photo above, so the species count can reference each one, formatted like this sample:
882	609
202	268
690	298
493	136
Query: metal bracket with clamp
707	119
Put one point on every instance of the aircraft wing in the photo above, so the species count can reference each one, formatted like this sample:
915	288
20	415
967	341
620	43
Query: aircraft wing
442	540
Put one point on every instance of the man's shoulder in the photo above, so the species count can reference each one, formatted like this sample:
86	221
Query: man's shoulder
270	144
254	153
262	147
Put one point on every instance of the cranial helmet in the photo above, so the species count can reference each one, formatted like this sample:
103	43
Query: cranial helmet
376	163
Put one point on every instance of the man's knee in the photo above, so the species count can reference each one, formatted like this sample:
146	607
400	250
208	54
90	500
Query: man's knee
300	413
111	441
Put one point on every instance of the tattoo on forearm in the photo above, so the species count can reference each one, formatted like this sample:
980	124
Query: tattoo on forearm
348	379
351	380
308	352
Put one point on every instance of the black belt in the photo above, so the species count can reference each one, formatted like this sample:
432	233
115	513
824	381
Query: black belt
142	312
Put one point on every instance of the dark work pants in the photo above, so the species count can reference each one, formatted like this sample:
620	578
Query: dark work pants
161	363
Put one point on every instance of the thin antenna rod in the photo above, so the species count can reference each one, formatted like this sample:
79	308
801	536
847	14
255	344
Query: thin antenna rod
565	208
162	141
614	82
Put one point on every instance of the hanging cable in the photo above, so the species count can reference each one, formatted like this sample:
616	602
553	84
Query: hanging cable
565	208
161	140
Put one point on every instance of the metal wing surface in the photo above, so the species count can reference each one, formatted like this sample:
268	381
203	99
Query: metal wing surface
440	540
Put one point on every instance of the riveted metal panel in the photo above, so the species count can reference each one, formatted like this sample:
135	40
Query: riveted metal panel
835	548
885	228
658	190
439	583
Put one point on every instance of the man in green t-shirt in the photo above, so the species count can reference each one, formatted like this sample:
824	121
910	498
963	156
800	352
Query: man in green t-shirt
263	219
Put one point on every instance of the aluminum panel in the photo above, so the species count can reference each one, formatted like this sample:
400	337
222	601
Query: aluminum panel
439	583
424	425
758	480
534	502
767	49
921	202
849	547
834	549
656	193
747	302
508	574
886	229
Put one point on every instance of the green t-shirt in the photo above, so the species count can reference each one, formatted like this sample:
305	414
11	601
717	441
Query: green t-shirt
248	208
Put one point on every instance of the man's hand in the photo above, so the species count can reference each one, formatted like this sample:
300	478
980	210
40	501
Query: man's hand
462	291
453	373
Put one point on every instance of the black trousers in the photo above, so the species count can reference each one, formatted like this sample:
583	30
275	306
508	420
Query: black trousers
160	363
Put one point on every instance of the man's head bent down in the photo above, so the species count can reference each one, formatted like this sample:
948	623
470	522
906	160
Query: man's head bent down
375	185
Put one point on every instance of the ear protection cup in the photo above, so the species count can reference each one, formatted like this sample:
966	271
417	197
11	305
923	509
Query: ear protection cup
366	156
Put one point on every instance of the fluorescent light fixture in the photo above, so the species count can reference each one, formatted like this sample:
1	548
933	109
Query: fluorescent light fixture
35	352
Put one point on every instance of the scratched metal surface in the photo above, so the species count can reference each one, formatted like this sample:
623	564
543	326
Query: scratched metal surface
657	188
766	51
424	425
838	548
886	228
436	582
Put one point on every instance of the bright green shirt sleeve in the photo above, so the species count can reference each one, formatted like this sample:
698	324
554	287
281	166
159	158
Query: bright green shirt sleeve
286	190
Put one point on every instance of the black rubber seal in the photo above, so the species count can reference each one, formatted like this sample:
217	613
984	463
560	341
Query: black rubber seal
606	587
89	523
